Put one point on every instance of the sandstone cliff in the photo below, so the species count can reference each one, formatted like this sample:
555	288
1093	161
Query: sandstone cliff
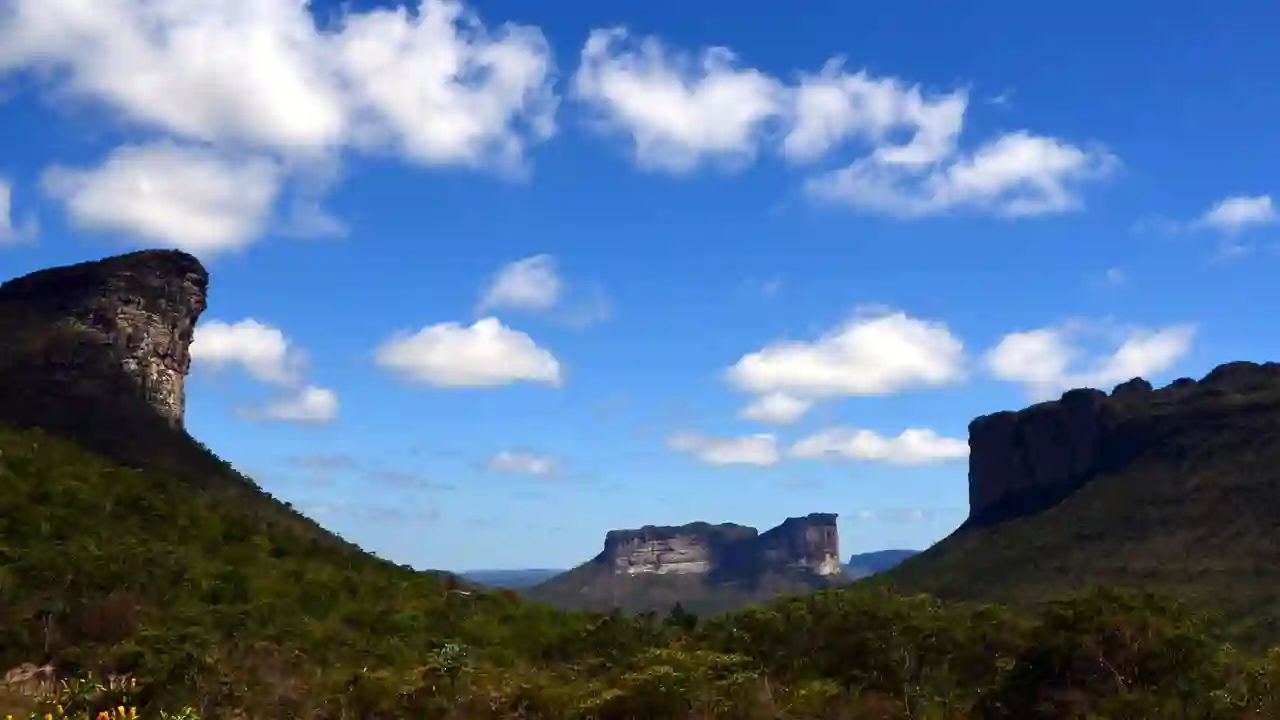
809	544
705	567
99	350
1025	461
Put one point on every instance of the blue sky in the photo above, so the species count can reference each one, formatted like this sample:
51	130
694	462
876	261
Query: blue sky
490	280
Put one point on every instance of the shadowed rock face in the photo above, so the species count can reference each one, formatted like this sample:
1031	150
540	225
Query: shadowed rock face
113	334
1025	461
809	544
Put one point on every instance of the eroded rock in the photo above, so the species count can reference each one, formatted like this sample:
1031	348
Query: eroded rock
116	330
1024	461
809	544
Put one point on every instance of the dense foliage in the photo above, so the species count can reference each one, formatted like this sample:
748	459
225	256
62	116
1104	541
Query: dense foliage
195	603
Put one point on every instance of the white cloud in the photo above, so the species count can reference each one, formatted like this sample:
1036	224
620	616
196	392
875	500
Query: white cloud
776	409
1015	175
834	106
260	349
1115	276
681	112
678	111
486	354
912	447
258	79
308	405
529	284
10	233
438	86
874	353
526	463
1235	214
534	285
442	88
760	450
1050	360
188	197
266	354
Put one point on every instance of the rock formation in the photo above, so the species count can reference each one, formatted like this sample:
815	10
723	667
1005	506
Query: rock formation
113	334
1025	461
809	544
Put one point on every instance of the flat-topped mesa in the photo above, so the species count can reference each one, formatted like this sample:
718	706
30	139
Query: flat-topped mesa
1025	461
117	330
809	544
693	548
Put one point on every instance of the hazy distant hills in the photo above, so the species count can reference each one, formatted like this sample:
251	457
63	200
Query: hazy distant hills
859	566
514	579
867	564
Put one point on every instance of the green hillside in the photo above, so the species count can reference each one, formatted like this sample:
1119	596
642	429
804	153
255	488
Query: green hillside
1194	511
208	603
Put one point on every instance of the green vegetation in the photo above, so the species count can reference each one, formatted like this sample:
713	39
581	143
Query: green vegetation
1194	514
192	603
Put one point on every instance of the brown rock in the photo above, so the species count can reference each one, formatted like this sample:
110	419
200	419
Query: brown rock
117	329
809	544
1024	461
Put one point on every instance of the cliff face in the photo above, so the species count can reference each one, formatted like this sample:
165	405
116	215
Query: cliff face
112	334
809	544
693	548
1024	461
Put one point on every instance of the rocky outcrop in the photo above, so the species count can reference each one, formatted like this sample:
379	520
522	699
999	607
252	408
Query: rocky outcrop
692	548
113	333
1025	461
809	544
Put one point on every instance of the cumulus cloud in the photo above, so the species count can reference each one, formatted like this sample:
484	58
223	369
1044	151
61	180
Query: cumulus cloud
525	463
875	353
487	354
1018	174
911	447
260	349
835	106
266	354
681	111
308	405
534	285
529	284
25	231
776	408
184	196
1236	214
1048	361
435	86
760	450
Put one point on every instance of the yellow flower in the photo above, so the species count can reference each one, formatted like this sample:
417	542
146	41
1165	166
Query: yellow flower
120	708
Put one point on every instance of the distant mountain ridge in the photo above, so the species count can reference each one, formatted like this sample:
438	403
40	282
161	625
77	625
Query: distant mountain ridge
511	578
704	567
870	563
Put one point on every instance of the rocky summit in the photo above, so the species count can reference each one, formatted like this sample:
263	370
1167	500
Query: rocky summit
1174	490
701	565
113	334
1028	460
